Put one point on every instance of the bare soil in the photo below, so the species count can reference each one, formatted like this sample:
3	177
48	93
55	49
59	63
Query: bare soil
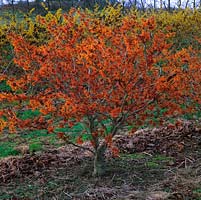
154	164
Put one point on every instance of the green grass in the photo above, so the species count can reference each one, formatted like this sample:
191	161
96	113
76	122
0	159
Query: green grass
144	155
28	114
197	192
151	161
152	164
161	158
36	140
39	140
4	87
7	149
35	147
133	156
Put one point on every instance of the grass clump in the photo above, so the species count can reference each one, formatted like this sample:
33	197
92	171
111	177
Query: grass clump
7	149
35	147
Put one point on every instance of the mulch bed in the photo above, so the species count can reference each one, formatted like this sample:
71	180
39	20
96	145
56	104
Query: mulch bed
165	140
182	142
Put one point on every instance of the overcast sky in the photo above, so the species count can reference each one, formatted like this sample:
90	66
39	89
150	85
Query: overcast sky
146	2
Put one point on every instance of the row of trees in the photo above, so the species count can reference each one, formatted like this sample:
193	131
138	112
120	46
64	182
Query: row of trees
140	4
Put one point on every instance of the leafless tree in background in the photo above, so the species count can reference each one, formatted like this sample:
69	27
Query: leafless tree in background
187	2
169	5
161	4
138	4
179	4
194	4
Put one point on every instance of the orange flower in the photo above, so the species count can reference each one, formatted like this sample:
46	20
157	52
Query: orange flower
3	124
79	140
50	129
34	104
115	112
60	135
108	139
115	151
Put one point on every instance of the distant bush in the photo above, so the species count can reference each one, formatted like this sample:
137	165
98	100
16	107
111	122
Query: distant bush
186	24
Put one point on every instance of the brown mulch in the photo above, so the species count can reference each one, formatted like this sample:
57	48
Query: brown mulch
169	141
166	140
182	142
30	164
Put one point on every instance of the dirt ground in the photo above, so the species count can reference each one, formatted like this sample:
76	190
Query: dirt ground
160	163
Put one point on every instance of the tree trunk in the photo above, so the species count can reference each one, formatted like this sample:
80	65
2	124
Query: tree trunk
99	161
169	5
142	4
186	4
194	4
13	8
161	4
179	4
154	4
59	3
48	5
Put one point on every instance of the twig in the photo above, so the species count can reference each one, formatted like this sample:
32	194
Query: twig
142	108
68	195
147	153
82	147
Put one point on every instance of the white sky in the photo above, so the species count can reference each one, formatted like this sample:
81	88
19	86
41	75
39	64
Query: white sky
146	2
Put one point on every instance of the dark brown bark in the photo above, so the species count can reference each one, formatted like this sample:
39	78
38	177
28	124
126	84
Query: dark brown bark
99	161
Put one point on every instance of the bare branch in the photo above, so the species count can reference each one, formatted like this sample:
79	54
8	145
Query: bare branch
82	147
